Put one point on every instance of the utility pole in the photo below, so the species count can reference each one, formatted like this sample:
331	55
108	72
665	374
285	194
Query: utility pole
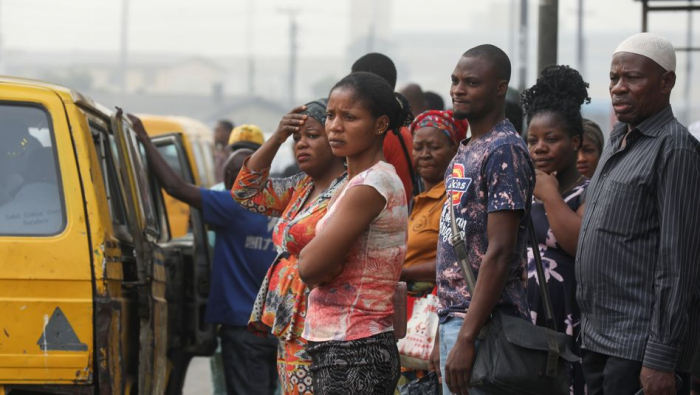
688	67
511	29
370	38
249	49
293	48
523	46
547	37
2	54
579	39
123	52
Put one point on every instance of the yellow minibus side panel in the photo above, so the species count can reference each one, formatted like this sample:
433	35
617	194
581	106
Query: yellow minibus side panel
46	302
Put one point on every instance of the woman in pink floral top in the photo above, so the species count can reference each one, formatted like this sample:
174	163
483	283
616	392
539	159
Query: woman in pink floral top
355	260
300	201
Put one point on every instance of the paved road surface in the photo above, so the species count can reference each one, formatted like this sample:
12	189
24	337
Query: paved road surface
198	380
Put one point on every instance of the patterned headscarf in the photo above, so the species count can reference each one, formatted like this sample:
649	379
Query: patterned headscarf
316	110
454	129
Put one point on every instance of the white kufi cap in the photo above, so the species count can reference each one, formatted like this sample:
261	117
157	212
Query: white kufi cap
653	46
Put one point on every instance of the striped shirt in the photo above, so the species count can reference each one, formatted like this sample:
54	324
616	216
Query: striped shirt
638	259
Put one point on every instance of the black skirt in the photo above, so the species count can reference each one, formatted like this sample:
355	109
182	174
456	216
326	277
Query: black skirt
363	366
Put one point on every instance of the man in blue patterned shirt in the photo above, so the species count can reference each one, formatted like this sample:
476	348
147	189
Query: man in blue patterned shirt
489	183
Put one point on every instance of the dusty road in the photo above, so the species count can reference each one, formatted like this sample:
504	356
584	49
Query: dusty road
198	380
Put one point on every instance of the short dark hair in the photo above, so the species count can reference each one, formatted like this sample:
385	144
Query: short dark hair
228	125
378	64
495	55
378	97
434	101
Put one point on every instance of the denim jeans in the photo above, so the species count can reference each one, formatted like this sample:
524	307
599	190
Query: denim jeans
250	362
448	337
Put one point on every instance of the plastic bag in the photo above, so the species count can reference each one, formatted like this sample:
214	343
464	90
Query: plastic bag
421	329
426	385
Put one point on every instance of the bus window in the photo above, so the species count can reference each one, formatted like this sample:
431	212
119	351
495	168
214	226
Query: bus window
31	197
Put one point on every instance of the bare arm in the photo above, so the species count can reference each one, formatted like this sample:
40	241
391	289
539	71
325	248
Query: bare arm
565	223
290	123
425	271
502	231
322	258
168	179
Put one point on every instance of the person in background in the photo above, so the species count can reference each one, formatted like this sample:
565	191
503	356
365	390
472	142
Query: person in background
222	131
416	98
514	110
637	260
554	135
243	251
394	152
433	101
490	184
355	260
514	113
436	136
300	201
244	136
592	147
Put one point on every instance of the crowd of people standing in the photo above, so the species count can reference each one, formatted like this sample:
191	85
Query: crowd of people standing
383	175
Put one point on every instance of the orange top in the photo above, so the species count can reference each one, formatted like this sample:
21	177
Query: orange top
424	226
394	155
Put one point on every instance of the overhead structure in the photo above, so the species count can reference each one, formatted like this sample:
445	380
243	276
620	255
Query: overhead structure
658	6
649	6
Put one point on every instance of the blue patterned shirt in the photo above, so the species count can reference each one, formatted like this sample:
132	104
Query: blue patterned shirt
488	174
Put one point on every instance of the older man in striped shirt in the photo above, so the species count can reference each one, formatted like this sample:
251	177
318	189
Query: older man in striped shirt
638	260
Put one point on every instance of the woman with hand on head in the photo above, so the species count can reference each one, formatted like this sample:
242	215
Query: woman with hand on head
300	201
554	136
591	149
355	260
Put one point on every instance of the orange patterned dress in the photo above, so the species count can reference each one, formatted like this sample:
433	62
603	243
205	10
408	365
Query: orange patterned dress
281	303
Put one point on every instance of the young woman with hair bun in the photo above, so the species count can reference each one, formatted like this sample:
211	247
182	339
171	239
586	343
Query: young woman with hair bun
554	137
354	262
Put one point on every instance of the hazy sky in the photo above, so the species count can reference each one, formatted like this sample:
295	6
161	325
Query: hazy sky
230	28
219	27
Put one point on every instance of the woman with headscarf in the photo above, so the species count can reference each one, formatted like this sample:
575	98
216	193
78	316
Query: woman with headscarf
300	201
436	136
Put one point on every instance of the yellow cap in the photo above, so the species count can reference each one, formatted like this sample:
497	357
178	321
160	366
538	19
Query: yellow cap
249	133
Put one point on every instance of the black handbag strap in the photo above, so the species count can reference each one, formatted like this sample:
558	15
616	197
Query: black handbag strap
544	288
459	246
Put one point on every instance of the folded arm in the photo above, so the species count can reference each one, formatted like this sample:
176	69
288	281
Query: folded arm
322	259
